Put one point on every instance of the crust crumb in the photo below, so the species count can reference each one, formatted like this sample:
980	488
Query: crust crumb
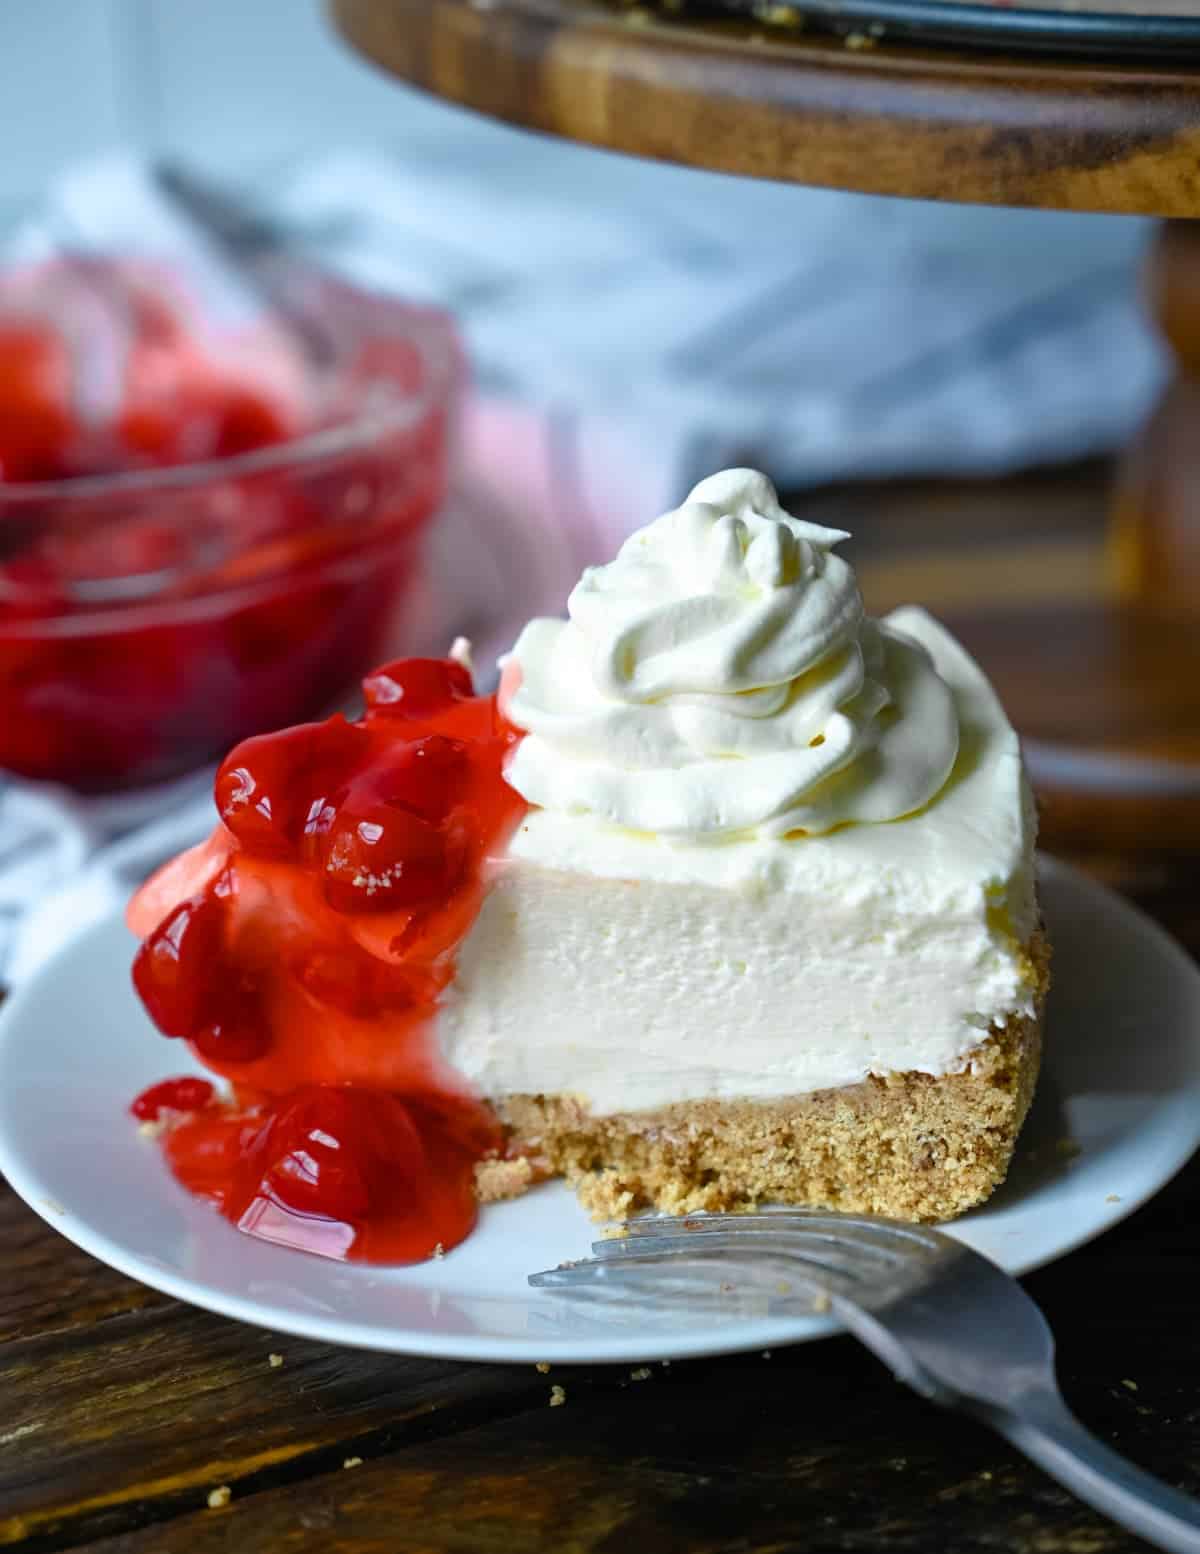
498	1179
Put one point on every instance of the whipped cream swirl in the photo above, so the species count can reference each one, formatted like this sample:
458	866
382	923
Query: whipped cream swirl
720	678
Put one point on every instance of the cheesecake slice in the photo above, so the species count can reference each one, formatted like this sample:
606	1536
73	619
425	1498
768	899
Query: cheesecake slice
850	1019
726	898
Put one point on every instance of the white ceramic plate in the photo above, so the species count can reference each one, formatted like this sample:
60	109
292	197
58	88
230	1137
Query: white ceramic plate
1121	1083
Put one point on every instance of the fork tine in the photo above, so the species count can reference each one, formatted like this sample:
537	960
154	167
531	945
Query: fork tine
830	1230
713	1302
893	1237
648	1224
645	1266
663	1275
855	1262
731	1250
780	1211
810	1233
624	1275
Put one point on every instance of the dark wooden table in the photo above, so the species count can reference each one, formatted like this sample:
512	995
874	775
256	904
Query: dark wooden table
121	1410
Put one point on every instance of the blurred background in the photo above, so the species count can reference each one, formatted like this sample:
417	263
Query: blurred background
237	89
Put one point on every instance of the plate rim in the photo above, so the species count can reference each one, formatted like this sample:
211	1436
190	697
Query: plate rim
619	1348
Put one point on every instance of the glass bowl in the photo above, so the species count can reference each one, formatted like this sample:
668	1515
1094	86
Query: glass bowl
151	618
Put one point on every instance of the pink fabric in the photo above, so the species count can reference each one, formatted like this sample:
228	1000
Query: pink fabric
533	502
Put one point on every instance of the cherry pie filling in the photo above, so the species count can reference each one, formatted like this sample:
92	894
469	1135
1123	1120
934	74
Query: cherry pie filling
145	626
303	956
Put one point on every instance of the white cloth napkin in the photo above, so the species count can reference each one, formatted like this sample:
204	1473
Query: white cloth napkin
631	328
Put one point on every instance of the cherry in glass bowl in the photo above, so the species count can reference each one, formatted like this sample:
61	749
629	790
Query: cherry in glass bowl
151	615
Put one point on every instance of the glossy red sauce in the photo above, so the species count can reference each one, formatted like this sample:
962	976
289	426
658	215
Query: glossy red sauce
302	952
173	1095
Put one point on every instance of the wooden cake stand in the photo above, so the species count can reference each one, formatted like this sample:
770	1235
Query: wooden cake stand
1105	688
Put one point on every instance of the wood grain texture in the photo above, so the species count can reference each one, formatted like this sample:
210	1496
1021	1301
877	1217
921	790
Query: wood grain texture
891	119
814	1449
128	1408
47	1285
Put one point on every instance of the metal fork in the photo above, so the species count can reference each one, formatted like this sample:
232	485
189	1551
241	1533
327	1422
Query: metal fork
947	1321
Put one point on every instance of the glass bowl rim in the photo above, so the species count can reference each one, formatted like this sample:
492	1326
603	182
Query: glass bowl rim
430	329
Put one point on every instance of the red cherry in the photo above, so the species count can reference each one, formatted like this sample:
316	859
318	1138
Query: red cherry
328	1151
237	1031
357	985
428	776
248	421
207	1150
337	979
228	1041
173	971
267	787
172	1095
37	427
386	859
417	687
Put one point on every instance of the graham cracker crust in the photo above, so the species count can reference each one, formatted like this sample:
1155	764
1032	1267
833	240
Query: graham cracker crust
909	1145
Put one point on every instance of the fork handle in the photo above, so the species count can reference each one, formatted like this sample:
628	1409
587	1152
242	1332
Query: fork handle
1052	1437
